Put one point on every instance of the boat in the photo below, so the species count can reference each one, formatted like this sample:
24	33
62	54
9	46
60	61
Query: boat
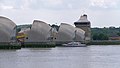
74	44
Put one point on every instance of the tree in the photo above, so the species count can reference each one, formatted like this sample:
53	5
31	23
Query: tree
95	37
100	36
18	29
118	34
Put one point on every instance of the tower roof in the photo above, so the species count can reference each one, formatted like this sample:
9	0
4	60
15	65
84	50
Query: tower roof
83	18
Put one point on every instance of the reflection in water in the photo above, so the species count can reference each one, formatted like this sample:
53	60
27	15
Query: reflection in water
62	57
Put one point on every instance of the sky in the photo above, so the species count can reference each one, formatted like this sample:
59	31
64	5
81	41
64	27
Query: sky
101	13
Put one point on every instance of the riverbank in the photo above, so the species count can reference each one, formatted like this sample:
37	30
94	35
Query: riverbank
104	42
37	45
10	46
7	45
51	44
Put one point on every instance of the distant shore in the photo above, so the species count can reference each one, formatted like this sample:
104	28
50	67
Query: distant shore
104	42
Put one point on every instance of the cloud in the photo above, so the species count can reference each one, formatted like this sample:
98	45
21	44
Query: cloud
57	11
104	3
6	7
45	4
52	2
8	4
59	4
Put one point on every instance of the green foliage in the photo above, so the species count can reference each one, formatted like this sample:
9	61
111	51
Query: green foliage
118	34
104	33
100	36
18	29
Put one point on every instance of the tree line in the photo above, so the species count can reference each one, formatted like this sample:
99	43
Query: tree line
104	33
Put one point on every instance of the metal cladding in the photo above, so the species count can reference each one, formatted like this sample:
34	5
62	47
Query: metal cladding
39	32
80	34
69	33
7	29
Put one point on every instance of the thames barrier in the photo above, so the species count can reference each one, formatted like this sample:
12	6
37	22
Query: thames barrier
41	34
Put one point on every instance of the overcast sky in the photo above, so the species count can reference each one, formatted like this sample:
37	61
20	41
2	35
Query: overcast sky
101	13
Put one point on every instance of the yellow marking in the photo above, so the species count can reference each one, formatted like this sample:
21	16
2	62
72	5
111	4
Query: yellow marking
22	36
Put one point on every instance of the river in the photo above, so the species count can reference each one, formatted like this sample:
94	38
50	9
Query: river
62	57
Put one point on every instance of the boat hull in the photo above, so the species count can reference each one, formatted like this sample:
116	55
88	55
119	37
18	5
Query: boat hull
74	44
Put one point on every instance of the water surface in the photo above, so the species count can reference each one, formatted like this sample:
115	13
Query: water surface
62	57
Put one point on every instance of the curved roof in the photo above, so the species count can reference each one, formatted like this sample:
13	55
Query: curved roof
83	18
39	32
7	22
80	34
67	33
6	29
4	36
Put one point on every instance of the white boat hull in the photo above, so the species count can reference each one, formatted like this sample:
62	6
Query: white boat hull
74	44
